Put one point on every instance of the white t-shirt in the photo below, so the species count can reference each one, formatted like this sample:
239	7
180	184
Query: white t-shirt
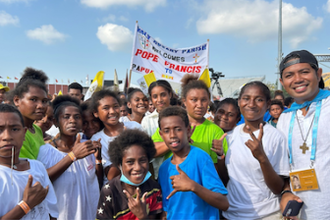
248	195
150	123
11	191
124	119
105	141
316	201
77	189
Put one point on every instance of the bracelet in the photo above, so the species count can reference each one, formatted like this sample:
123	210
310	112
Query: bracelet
72	156
98	162
24	206
285	191
221	157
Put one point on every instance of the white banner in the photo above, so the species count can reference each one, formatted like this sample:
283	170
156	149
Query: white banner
148	55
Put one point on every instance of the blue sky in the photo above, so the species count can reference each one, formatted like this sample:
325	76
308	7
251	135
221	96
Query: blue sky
70	39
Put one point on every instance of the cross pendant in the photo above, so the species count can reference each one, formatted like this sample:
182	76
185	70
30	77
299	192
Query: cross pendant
304	147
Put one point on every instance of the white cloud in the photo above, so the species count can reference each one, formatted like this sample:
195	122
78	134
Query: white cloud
327	6
149	5
7	19
257	20
110	17
116	37
47	34
13	1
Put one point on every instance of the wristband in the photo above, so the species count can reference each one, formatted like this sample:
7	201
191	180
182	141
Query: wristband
98	162
24	206
221	157
72	156
285	191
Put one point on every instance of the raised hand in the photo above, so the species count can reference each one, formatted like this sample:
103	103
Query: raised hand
84	149
137	206
217	145
255	144
98	146
181	182
34	195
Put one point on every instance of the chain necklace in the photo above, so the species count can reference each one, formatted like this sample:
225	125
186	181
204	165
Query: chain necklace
304	147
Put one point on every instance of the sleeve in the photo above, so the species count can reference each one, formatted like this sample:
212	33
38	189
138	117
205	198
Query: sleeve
156	137
48	156
162	183
155	203
210	177
104	209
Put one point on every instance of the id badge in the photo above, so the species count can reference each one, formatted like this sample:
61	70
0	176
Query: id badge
303	180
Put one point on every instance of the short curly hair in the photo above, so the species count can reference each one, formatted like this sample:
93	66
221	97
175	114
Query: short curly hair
125	140
174	111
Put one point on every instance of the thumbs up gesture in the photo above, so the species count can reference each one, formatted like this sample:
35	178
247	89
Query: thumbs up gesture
137	206
84	149
181	182
255	144
34	195
217	145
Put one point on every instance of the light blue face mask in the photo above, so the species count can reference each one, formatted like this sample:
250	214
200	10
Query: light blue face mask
124	179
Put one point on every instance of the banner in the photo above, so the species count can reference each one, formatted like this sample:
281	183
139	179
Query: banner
148	55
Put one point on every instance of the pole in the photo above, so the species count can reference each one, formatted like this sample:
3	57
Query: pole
279	59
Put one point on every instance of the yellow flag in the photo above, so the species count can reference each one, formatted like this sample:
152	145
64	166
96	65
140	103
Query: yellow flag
8	77
96	85
60	93
149	78
205	77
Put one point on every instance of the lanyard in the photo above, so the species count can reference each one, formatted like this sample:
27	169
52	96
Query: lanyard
314	132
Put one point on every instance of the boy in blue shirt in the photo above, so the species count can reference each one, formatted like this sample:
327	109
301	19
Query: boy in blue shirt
190	184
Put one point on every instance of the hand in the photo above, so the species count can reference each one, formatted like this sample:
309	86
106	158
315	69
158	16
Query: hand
181	182
255	144
34	195
284	201
217	145
137	206
191	141
84	149
98	152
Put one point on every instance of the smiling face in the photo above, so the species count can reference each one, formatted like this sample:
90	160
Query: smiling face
138	103
151	108
33	104
253	104
135	164
91	125
301	81
226	117
12	134
197	102
108	110
160	98
47	121
174	133
69	121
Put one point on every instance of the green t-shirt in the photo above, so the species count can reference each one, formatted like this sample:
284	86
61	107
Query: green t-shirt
203	136
32	143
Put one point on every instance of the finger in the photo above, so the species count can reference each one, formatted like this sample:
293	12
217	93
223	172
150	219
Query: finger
143	200
77	139
171	194
251	133
138	193
261	132
47	189
216	151
179	169
36	183
127	194
248	144
223	137
29	182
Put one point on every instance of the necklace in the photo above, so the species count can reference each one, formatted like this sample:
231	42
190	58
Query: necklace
304	147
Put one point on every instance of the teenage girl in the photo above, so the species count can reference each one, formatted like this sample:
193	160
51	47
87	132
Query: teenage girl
160	93
30	98
91	125
46	122
133	195
105	105
77	188
137	103
256	160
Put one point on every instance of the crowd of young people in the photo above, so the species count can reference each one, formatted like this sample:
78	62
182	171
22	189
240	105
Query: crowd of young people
136	157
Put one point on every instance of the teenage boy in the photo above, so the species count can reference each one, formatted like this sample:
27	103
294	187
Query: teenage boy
190	184
75	90
306	127
275	110
25	189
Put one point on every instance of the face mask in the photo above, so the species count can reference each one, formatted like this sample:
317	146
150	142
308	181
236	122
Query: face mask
124	179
